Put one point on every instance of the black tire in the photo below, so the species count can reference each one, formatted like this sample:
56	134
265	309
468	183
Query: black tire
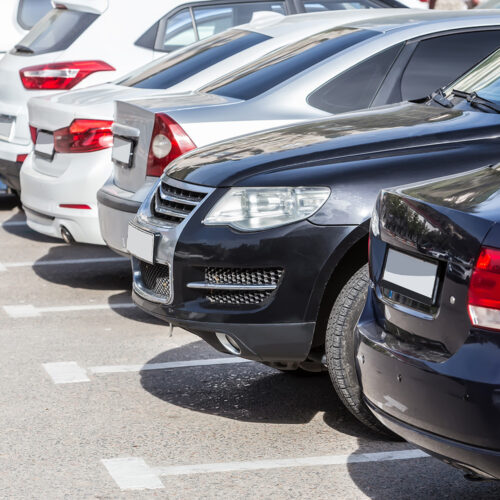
339	347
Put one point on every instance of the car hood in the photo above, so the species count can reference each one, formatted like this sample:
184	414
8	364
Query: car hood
248	160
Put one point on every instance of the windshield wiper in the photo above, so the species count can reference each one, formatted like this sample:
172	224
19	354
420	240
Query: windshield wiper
441	99
476	100
23	48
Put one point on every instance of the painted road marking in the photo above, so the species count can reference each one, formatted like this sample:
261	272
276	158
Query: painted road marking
136	473
5	266
30	311
72	369
66	372
14	224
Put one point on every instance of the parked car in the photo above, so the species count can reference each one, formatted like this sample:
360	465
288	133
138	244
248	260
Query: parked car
84	42
258	245
429	333
359	65
17	17
59	189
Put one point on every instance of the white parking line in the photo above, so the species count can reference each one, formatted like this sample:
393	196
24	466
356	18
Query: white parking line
14	224
30	311
4	266
68	372
134	474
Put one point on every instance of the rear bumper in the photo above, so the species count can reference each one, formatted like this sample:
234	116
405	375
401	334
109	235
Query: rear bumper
9	173
481	461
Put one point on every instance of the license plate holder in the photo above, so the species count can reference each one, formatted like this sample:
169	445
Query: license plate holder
44	147
411	276
123	151
6	124
141	243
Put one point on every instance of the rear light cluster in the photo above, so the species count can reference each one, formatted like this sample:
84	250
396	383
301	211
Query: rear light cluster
168	142
60	76
484	290
82	136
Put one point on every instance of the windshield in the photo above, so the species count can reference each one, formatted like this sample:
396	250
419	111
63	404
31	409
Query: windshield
483	79
54	32
187	62
286	62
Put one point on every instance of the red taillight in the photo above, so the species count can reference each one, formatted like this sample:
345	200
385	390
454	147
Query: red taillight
168	142
75	206
484	290
60	76
34	133
84	136
21	158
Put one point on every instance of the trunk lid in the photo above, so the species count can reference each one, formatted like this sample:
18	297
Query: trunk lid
430	236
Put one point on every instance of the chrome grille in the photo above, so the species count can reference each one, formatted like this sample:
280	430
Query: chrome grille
174	204
239	286
156	279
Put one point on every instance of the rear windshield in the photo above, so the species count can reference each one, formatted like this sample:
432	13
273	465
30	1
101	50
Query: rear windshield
55	32
31	11
483	79
175	69
284	63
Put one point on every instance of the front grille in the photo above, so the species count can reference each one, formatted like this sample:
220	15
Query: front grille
240	279
156	279
174	204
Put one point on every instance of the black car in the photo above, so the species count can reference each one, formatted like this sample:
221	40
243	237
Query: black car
429	336
259	245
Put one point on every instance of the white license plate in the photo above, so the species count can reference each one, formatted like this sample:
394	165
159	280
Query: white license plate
6	124
122	151
44	144
413	274
141	244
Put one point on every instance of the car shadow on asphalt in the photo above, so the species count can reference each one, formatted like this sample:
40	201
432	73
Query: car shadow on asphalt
133	313
423	478
248	392
114	275
7	202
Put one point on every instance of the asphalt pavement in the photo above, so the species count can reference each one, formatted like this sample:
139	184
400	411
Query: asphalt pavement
97	401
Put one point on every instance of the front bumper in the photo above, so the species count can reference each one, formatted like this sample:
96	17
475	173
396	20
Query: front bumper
450	407
117	208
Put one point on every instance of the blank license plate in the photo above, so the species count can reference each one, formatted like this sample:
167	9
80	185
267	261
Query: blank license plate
410	273
6	123
122	151
44	144
141	244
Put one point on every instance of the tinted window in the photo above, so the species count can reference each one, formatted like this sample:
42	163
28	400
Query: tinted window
31	11
483	79
282	64
324	5
183	29
55	32
437	61
175	69
355	88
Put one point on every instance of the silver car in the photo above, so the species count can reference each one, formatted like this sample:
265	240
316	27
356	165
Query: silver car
361	64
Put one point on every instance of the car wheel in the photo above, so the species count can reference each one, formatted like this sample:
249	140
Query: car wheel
339	346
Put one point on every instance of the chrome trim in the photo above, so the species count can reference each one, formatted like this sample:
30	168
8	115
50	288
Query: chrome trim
202	285
125	131
145	293
176	199
170	211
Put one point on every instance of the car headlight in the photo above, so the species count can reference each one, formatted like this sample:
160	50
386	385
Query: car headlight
254	209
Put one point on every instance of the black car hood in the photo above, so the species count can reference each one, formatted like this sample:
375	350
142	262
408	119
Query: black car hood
379	130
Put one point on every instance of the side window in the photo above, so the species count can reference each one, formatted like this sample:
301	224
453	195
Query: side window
179	31
190	25
31	11
440	60
357	87
323	5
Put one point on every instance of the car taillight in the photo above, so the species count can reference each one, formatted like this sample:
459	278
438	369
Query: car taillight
168	142
34	133
61	75
84	136
484	290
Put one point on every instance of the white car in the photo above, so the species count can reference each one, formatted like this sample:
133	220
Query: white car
61	178
17	17
85	42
